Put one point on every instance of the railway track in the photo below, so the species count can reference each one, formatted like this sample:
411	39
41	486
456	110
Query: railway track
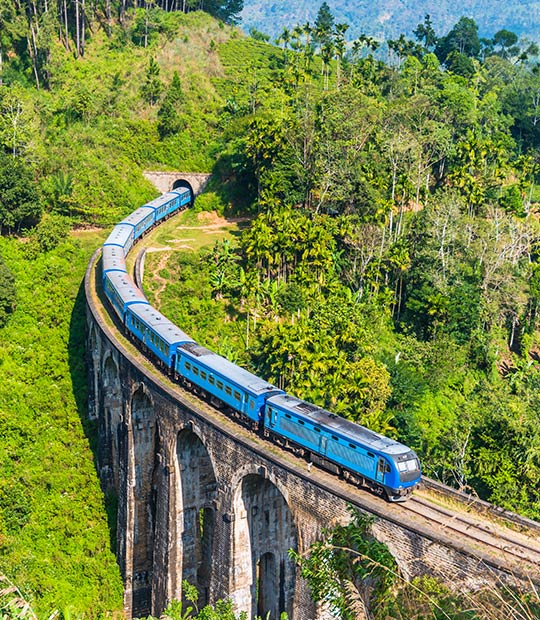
518	548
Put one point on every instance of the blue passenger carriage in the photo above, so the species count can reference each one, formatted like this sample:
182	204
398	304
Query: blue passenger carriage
224	381
122	236
170	203
140	220
112	259
342	446
185	195
157	333
121	292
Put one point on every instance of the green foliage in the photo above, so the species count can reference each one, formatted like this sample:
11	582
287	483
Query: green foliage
150	23
512	200
13	605
152	86
210	201
51	230
19	201
18	127
324	23
221	610
355	576
169	120
463	38
349	571
54	540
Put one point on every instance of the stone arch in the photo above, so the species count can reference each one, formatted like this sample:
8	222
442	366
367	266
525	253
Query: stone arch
184	183
195	515
92	359
143	461
92	340
264	530
108	424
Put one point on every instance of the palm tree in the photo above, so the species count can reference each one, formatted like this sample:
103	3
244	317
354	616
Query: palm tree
340	47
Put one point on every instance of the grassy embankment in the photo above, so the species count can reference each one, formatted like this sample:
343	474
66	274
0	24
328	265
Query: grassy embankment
54	541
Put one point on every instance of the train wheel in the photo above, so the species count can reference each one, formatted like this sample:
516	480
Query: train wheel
380	491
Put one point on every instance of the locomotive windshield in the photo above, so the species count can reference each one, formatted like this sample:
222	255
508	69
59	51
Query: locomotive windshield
408	467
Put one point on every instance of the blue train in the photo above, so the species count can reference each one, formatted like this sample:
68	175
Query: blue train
368	459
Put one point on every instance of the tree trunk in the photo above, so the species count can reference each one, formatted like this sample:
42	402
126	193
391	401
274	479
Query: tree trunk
66	26
32	50
77	29
83	29
108	13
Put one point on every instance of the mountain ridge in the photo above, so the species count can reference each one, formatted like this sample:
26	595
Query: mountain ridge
384	19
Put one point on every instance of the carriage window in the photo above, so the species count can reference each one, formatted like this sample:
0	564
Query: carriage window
251	404
220	385
203	374
301	422
228	390
335	438
211	380
195	370
287	416
351	445
317	430
237	395
187	365
371	455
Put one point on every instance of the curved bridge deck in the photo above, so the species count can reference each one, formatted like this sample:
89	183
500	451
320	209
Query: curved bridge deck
202	498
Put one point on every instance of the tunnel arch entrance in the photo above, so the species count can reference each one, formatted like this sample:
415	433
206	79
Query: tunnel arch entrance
195	520
180	183
264	531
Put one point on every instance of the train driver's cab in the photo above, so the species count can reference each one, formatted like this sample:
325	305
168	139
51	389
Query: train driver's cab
408	466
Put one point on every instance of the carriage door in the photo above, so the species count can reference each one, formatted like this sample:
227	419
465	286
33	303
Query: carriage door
272	417
381	469
324	445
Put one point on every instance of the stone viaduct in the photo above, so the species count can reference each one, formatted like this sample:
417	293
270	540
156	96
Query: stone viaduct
203	499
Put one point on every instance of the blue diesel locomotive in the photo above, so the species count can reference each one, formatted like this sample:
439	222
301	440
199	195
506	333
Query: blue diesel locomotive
368	459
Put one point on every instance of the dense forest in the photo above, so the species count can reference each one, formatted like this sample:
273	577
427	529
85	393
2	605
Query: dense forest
389	272
395	243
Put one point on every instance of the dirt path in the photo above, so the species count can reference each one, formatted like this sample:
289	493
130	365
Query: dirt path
210	224
156	277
